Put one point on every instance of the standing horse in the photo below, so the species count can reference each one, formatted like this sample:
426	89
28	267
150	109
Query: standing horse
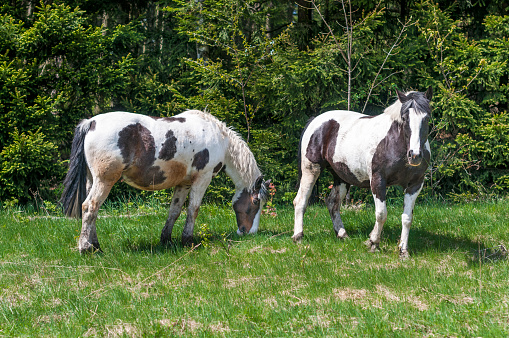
150	153
369	152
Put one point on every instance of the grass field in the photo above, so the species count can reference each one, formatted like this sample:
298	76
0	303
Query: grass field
456	282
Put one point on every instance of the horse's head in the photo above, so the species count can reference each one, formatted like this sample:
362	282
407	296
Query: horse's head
415	115
248	206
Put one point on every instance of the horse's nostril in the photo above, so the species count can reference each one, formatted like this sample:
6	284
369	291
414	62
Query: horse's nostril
242	229
413	155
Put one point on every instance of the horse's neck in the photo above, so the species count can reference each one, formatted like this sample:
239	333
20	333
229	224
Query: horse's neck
235	176
241	166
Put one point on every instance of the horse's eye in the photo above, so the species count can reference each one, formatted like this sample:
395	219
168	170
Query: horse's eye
256	201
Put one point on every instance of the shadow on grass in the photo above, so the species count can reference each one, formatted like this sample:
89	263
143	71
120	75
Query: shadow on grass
176	247
422	242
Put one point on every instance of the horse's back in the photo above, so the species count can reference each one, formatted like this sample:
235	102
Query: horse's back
153	153
345	142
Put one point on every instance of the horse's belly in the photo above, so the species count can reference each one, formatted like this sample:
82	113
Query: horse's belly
351	175
166	175
350	161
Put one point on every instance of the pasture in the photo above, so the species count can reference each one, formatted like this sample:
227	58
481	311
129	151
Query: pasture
455	283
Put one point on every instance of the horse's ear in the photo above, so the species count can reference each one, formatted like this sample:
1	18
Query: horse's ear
429	93
401	96
258	183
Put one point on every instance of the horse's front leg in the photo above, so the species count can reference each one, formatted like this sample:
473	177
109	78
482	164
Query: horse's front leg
179	197
195	196
309	176
378	189
411	194
333	201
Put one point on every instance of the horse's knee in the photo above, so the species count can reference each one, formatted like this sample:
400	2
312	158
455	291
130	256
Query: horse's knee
406	220
381	216
89	206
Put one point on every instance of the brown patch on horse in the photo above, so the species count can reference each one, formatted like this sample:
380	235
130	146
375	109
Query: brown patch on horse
218	168
201	159
245	210
347	176
107	168
169	147
170	119
321	148
322	143
137	148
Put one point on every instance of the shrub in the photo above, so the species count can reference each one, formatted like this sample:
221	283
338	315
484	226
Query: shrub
28	165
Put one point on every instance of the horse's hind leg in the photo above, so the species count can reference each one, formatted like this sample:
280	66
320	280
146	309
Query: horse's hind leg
378	189
98	192
411	194
333	201
310	173
177	201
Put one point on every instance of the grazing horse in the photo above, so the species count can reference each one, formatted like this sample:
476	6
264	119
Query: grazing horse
369	152
151	153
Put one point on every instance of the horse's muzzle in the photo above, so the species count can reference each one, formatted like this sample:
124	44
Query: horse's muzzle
414	159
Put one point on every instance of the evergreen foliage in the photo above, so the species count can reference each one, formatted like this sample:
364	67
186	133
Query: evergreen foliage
264	68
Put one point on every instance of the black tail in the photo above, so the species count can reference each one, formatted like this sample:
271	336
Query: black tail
299	165
75	183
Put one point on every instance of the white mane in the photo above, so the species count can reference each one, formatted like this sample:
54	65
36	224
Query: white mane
238	153
394	111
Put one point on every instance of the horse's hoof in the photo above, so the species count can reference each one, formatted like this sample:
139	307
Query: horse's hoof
87	247
298	238
166	240
187	241
403	254
372	246
341	234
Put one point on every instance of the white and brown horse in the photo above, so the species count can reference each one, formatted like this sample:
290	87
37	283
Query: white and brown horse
150	153
370	152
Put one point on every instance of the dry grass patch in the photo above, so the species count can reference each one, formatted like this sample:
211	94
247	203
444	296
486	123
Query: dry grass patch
349	294
367	299
52	318
219	328
122	330
15	299
271	302
267	250
457	300
322	321
182	326
387	293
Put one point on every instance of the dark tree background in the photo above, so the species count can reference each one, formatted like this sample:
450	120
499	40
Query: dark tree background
264	67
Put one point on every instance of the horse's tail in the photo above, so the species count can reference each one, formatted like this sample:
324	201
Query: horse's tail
299	154
75	183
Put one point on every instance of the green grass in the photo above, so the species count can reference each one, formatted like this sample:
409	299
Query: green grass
455	283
